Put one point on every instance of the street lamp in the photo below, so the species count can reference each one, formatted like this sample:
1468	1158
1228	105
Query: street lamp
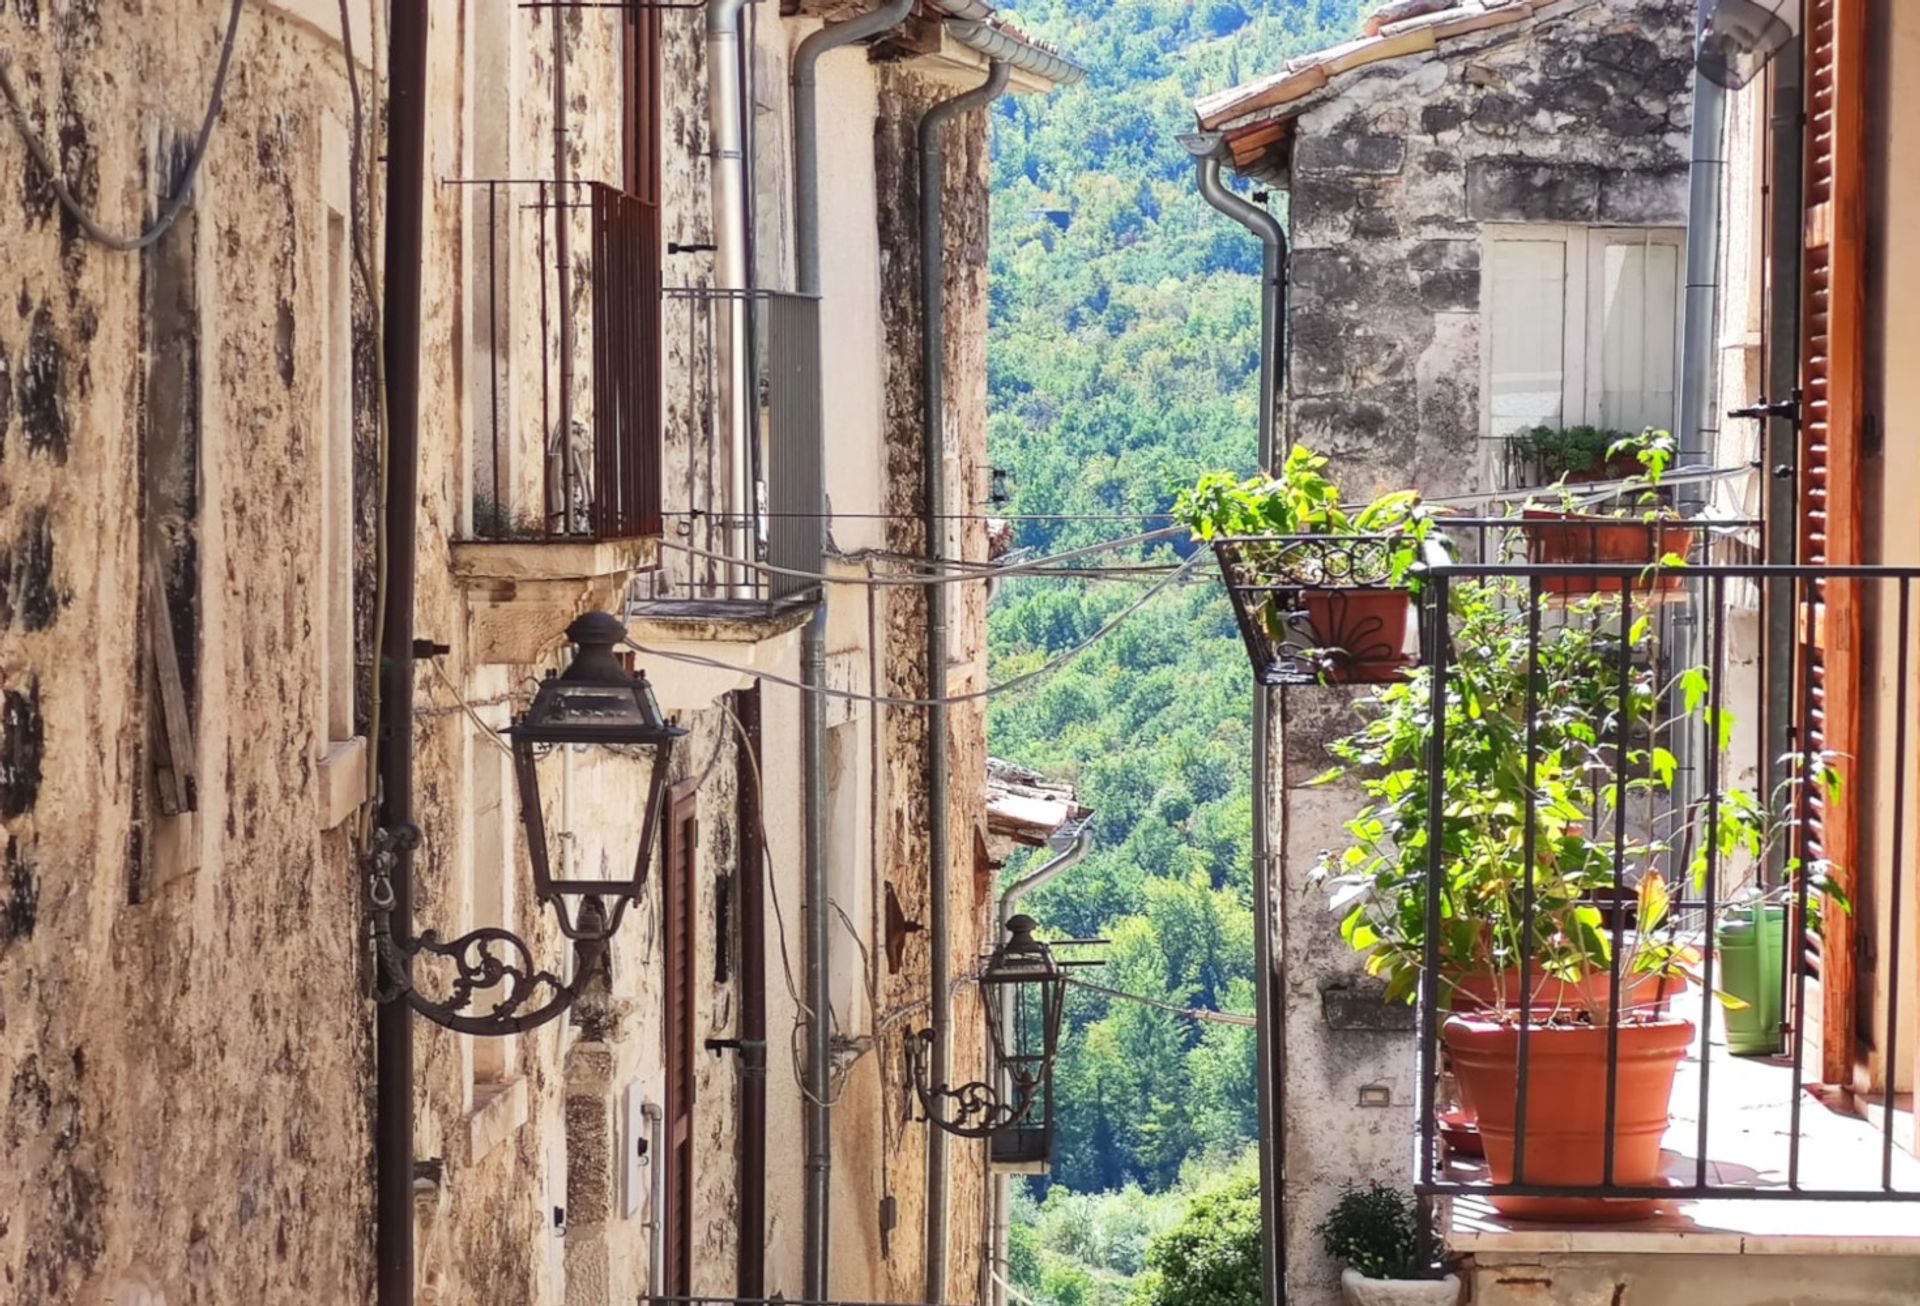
497	988
1023	988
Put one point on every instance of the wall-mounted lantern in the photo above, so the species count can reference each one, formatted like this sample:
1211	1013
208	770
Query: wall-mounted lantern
497	988
1023	988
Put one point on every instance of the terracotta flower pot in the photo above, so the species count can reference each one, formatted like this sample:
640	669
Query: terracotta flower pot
1359	1290
1476	993
1567	1137
1365	629
1584	539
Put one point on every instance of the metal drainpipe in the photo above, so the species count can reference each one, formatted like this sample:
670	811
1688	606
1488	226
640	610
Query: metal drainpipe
806	226
728	176
1000	1210
393	1023
933	344
1699	370
1698	430
1787	129
1268	1091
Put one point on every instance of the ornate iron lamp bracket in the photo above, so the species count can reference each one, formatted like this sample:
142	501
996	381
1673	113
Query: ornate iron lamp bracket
973	1110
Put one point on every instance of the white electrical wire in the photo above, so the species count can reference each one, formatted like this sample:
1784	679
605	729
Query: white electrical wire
1027	677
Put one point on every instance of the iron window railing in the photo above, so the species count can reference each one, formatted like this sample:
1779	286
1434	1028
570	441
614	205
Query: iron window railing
590	467
743	528
1670	800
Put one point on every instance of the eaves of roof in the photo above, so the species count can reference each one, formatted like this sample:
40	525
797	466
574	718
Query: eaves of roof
1262	108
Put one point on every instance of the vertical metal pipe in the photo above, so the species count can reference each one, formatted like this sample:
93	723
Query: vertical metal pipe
1528	860
1896	941
806	222
1785	175
562	275
1267	1090
933	347
1716	613
393	1023
727	167
1623	740
751	1256
806	129
1699	422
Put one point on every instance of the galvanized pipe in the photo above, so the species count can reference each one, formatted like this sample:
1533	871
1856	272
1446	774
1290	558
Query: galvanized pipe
806	129
933	345
400	330
817	1231
727	168
1267	1091
1699	420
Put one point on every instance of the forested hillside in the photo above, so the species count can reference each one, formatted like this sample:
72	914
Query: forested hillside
1124	354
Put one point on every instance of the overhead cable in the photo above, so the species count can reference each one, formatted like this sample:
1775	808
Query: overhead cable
175	206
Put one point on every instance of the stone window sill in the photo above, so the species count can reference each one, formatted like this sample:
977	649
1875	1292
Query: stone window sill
343	780
499	1109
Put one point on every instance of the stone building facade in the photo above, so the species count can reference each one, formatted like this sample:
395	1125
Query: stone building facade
190	477
1414	163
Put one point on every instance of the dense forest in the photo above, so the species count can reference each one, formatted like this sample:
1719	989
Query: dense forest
1123	359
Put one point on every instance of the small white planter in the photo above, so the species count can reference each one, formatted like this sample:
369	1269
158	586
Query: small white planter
1359	1290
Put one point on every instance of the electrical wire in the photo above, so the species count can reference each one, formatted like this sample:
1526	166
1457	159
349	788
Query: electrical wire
41	156
935	578
1005	686
1200	1014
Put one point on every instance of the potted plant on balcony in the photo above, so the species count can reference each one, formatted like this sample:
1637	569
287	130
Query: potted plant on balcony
1295	556
1375	1233
1644	532
1537	949
1578	455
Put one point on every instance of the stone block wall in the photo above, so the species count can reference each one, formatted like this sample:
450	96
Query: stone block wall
1579	115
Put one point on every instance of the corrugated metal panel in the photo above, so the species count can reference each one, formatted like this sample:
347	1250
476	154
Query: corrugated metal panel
793	456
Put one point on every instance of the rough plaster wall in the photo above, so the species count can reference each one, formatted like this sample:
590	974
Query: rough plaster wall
903	97
184	1075
1576	119
1581	118
1681	1280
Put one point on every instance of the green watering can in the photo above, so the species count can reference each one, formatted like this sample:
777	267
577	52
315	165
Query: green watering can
1751	942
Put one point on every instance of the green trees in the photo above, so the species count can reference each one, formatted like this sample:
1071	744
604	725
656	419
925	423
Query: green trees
1123	356
1212	1257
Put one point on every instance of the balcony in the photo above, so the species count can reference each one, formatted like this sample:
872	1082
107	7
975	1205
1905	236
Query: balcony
566	440
1638	841
742	544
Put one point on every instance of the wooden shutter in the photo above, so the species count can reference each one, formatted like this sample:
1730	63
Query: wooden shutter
682	861
1833	388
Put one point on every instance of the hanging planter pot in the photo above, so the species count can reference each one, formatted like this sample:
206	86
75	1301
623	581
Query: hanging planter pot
1320	609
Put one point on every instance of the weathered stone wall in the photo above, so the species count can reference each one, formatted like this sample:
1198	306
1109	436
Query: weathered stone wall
184	1037
903	98
1579	115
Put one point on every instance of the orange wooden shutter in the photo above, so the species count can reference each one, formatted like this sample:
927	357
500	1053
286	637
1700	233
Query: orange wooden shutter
1834	395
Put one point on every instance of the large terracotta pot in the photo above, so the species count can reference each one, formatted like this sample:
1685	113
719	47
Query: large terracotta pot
1365	628
1567	1107
1583	539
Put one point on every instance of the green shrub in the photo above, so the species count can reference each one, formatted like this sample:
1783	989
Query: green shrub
1212	1257
1376	1230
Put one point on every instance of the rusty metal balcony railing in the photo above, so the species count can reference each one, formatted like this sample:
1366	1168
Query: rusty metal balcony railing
746	535
586	338
1679	800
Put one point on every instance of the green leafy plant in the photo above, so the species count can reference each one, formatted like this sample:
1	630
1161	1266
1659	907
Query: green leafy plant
1377	1231
1556	452
1596	750
1212	1257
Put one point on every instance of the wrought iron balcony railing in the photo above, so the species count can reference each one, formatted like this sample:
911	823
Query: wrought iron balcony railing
742	523
567	441
1624	850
